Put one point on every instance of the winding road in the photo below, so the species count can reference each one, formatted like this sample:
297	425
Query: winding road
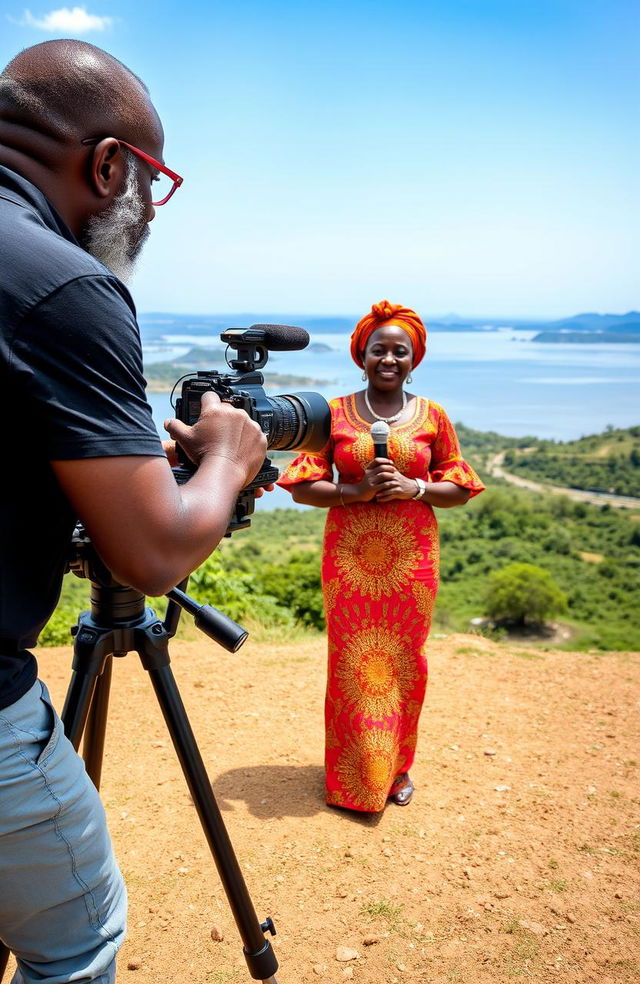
494	466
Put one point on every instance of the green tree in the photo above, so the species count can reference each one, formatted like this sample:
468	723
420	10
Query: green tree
522	593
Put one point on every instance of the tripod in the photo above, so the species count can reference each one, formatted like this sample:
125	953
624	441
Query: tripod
119	623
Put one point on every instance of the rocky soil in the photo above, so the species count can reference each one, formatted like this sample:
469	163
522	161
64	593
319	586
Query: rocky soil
516	860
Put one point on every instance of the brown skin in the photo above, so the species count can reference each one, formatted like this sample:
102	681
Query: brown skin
150	532
388	360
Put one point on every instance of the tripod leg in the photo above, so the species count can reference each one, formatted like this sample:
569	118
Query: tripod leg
258	952
94	732
92	650
76	706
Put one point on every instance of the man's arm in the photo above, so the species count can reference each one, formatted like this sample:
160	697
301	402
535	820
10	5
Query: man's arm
150	532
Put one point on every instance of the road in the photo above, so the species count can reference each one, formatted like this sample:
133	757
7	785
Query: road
494	466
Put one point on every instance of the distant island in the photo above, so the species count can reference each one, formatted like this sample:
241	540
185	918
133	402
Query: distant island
586	337
593	329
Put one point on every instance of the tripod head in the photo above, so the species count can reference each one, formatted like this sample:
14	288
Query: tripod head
120	605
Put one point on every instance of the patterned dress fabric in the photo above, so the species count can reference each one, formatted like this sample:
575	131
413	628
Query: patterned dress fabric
380	578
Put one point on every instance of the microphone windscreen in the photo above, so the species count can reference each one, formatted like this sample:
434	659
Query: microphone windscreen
380	432
283	338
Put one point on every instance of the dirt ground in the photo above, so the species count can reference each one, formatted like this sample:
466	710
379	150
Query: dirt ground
517	859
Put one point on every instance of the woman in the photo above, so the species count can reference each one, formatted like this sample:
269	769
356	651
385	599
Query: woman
380	558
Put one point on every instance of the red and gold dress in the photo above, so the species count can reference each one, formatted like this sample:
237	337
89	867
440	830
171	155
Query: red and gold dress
380	579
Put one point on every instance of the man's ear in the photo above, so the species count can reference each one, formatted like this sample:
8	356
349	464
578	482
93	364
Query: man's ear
107	168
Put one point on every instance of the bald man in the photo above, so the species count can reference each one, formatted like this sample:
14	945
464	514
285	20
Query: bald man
80	142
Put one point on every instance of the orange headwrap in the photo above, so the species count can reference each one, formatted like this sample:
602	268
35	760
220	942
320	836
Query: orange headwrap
382	314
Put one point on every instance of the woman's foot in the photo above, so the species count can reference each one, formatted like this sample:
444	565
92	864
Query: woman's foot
402	789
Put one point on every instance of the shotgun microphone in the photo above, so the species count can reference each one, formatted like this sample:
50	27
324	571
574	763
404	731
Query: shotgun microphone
380	434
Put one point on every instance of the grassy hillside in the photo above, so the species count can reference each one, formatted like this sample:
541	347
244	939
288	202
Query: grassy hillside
608	462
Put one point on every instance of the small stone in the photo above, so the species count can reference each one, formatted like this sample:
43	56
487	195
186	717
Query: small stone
388	853
490	752
502	788
216	934
347	973
533	927
345	953
401	967
341	892
370	940
134	964
320	969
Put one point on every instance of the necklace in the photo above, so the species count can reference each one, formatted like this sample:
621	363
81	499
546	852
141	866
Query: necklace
387	420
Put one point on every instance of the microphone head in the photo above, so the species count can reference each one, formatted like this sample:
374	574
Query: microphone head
380	431
283	338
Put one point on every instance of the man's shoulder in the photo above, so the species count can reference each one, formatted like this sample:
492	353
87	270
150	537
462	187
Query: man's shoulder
36	261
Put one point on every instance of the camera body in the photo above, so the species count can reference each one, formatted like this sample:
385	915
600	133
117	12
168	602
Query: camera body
295	421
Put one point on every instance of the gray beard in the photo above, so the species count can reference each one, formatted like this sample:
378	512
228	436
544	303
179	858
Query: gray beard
117	235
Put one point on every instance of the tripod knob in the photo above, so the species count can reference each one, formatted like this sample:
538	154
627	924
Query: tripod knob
268	927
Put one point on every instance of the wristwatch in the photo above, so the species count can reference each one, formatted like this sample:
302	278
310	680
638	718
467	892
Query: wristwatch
422	488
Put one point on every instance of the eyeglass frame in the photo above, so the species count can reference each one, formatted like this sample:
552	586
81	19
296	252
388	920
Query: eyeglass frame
177	180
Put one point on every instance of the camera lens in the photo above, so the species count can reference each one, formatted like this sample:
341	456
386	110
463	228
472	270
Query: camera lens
301	421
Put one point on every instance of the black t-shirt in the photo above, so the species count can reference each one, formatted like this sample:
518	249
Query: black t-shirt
71	387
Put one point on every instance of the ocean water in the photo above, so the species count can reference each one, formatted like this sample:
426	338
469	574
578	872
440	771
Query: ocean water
494	379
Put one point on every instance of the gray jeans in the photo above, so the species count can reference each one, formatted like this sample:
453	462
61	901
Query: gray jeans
62	897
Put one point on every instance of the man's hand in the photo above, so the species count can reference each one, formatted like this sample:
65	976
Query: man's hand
221	432
149	531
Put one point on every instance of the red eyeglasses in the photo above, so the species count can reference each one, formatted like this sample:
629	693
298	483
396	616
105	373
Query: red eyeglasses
162	170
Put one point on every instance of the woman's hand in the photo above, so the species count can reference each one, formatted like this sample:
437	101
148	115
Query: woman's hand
377	474
395	485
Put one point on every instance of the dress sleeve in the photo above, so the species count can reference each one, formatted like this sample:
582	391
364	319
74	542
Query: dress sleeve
447	463
308	468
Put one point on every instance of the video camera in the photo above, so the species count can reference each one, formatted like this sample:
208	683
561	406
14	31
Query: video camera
294	421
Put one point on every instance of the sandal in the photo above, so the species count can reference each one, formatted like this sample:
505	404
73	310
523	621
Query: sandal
402	790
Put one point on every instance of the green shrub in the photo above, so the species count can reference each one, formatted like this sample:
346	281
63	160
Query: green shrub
523	593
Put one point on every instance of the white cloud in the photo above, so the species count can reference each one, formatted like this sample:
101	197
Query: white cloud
66	20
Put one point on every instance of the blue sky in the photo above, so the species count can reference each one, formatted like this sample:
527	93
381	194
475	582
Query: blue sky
474	157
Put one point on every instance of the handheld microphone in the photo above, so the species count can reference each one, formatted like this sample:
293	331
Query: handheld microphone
380	434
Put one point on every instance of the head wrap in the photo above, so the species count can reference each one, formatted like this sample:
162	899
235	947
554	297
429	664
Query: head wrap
384	314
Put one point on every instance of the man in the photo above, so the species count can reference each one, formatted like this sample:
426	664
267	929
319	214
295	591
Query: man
80	145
